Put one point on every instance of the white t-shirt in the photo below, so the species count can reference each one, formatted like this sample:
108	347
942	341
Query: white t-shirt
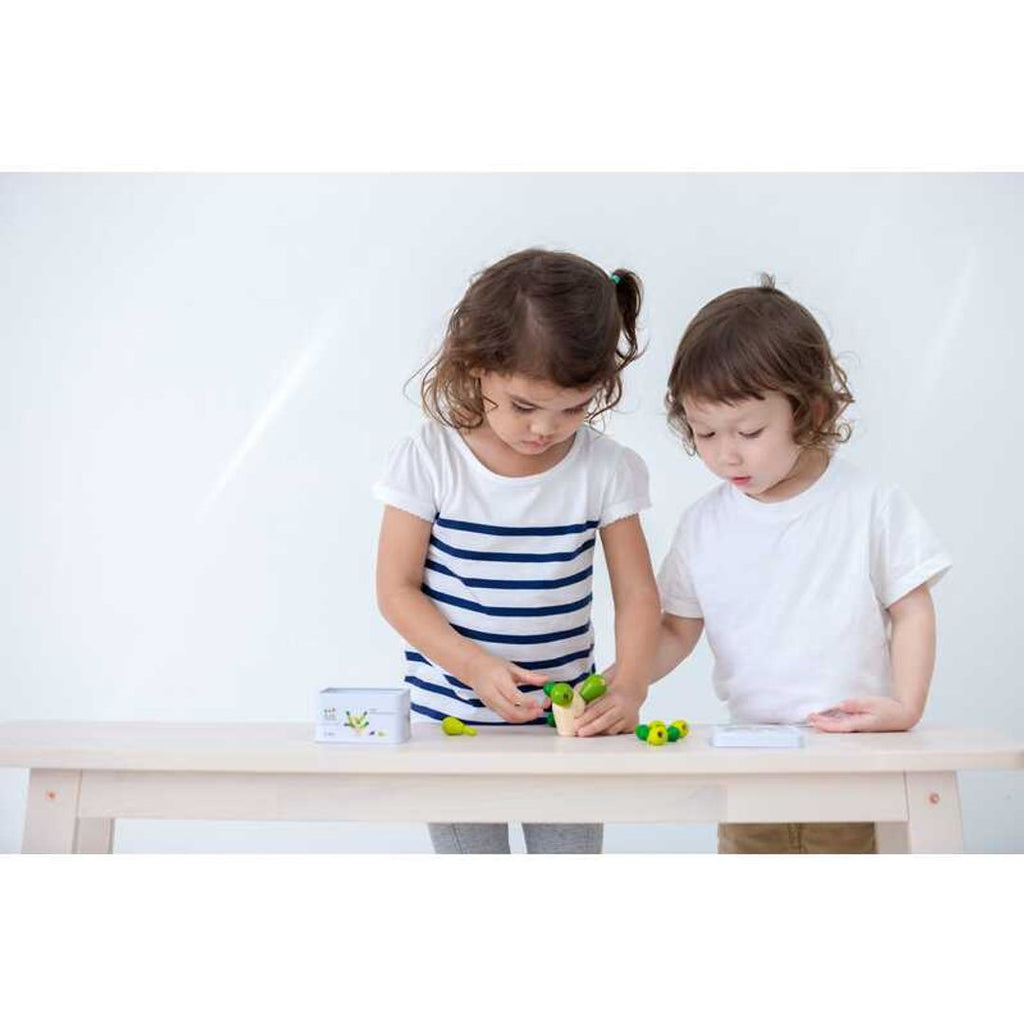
794	593
510	561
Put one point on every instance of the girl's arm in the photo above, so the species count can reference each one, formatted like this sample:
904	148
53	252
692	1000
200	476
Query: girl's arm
637	614
912	653
401	552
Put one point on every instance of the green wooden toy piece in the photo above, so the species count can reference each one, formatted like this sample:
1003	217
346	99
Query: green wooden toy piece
641	731
453	727
673	734
593	687
560	694
550	717
683	726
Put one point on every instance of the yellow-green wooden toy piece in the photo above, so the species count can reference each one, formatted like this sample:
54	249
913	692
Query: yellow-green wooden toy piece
657	734
560	693
593	687
453	727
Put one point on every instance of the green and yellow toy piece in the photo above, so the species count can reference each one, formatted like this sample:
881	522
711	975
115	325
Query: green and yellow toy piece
657	733
560	693
453	727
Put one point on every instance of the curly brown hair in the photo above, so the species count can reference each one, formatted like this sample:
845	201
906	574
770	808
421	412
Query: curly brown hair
749	341
552	316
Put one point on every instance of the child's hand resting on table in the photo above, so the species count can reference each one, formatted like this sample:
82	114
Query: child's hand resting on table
496	682
865	714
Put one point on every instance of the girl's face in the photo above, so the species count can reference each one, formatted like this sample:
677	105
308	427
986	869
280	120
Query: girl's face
750	444
531	416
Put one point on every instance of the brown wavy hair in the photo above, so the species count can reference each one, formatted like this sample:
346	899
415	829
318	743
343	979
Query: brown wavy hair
552	316
749	341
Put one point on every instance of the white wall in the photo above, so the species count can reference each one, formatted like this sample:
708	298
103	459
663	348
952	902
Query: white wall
201	376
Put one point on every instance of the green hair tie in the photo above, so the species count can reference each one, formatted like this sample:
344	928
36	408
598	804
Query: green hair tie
615	278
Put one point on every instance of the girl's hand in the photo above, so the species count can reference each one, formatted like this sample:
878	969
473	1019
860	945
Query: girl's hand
617	711
496	682
865	714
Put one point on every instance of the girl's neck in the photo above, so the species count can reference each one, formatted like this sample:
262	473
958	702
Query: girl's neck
499	458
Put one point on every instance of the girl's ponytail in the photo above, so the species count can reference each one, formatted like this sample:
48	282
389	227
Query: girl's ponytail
629	296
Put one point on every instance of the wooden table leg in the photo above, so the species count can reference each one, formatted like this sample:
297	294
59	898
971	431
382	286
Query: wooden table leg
51	815
94	835
933	822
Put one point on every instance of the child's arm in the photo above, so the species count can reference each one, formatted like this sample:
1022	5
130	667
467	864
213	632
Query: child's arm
400	556
637	611
913	658
677	638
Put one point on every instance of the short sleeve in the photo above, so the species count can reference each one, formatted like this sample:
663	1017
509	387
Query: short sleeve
905	553
628	491
678	596
409	480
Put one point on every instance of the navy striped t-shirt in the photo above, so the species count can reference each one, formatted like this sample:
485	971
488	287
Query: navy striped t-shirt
510	560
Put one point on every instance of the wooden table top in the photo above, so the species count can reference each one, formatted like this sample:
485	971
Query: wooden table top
528	750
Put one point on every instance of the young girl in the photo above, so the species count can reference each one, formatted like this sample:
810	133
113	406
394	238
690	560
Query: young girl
493	507
811	578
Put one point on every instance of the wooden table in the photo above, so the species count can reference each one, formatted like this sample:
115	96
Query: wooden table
86	775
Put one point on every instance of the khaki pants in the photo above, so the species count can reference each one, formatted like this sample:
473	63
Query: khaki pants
816	837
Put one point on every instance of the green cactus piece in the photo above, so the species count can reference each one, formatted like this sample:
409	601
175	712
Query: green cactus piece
641	731
592	688
561	694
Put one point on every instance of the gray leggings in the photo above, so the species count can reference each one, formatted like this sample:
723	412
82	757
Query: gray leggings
473	837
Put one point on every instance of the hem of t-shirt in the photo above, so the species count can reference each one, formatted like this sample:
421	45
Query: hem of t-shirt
405	502
929	572
683	610
622	510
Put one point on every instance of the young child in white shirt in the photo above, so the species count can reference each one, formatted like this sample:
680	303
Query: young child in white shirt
810	577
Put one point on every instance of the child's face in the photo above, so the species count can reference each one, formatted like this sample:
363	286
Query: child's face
749	443
531	416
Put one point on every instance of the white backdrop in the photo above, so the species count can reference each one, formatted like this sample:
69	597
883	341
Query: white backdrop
201	377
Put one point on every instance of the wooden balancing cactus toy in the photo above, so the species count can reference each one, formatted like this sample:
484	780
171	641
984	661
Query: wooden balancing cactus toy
657	733
567	704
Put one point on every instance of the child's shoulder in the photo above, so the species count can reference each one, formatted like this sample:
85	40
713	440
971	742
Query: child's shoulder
432	438
852	480
599	447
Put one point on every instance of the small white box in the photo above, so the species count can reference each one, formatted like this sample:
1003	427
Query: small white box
367	715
